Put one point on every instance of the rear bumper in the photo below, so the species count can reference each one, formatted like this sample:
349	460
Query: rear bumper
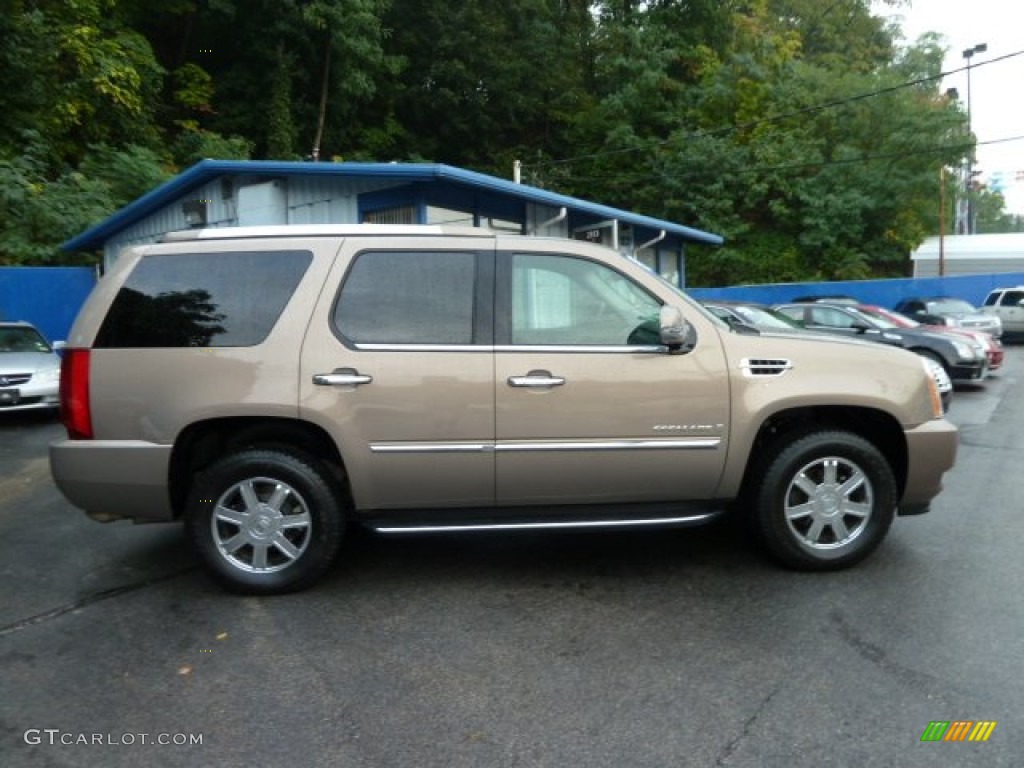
113	479
931	452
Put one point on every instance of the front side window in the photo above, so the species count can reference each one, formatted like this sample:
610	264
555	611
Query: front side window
202	299
408	297
563	300
1013	298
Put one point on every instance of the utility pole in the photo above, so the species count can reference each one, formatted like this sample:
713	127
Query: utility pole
969	181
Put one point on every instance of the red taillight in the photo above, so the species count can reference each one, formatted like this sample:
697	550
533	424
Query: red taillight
74	394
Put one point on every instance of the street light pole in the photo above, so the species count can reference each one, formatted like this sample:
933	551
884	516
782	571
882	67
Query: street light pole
969	54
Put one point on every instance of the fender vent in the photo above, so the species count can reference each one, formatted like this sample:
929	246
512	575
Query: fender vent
754	366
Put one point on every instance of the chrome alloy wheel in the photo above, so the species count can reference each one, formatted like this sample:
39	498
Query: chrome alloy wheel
828	503
261	525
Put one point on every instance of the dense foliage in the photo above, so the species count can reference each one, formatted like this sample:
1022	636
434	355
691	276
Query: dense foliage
800	130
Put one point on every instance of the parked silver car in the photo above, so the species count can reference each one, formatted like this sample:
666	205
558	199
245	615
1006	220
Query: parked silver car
948	310
29	369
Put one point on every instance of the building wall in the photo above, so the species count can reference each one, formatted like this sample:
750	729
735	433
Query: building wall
969	255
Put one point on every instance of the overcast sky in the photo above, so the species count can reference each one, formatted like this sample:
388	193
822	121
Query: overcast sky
997	87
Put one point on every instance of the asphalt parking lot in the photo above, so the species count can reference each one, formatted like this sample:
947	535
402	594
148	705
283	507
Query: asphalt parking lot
683	648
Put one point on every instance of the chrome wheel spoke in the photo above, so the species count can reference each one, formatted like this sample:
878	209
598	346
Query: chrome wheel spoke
259	555
857	509
806	484
285	547
839	529
228	515
814	532
249	496
281	493
235	543
301	520
800	511
856	480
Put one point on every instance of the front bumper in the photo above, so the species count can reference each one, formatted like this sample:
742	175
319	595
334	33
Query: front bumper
29	396
969	371
931	452
112	479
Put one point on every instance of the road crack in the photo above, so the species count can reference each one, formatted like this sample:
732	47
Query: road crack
748	727
84	602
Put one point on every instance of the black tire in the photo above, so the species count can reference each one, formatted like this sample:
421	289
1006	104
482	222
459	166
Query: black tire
825	501
265	521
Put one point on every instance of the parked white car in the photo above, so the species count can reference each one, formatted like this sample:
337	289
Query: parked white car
1008	305
29	369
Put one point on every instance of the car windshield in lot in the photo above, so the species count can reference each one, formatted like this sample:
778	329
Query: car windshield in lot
950	307
765	319
900	321
19	339
875	321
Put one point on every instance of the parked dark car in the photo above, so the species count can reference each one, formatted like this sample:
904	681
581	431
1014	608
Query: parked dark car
948	310
993	347
961	358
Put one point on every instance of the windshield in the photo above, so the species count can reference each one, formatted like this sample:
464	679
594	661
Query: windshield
765	318
20	339
949	307
894	317
874	321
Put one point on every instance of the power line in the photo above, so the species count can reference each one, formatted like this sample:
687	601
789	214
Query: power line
772	118
863	159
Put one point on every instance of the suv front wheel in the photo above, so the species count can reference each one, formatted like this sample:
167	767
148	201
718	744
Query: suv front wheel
825	501
265	521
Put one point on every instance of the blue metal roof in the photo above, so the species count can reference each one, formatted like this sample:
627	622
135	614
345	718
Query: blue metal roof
208	170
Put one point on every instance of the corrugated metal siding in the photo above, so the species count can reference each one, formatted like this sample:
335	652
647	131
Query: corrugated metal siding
325	200
171	218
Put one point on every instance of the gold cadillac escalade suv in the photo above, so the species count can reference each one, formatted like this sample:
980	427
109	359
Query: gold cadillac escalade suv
271	386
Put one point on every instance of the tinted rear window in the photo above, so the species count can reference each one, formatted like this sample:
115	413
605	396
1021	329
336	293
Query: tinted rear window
203	299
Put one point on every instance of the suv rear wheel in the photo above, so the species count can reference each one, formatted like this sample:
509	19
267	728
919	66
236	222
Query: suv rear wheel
265	521
825	501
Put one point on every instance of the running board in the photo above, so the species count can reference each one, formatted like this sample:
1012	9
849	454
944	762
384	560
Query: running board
533	525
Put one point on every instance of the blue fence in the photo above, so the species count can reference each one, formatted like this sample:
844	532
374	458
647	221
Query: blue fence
47	297
886	293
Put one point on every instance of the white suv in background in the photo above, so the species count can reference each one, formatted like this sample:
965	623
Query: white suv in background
1008	305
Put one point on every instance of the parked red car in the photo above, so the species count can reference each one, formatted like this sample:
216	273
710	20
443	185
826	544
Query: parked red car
993	347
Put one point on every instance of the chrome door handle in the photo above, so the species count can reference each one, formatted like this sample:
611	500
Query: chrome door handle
536	379
341	377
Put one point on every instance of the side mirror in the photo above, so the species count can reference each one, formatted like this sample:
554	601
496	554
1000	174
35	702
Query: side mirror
673	330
